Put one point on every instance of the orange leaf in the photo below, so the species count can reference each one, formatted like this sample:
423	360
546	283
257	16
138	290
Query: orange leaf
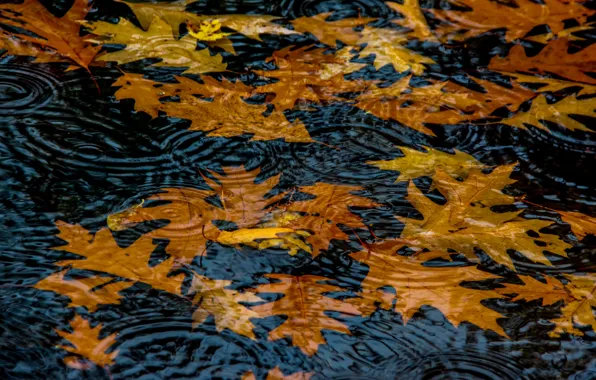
553	59
87	344
304	304
60	34
88	292
328	32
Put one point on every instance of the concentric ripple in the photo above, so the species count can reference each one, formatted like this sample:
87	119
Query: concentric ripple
24	89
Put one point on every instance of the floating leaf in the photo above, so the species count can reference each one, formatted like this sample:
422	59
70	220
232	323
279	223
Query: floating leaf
85	343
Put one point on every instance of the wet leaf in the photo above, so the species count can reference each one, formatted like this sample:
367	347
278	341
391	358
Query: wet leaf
466	222
417	285
552	59
517	18
221	111
87	292
328	32
305	305
560	113
101	253
214	298
416	164
57	34
157	42
582	225
413	19
84	342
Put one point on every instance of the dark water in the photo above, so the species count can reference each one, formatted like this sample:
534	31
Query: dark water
70	153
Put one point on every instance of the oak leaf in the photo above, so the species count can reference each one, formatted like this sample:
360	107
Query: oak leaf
86	344
416	164
277	374
328	32
438	103
101	253
517	18
549	84
417	285
214	298
386	45
157	42
578	295
466	222
305	304
225	114
579	312
174	14
560	113
550	292
552	59
88	292
413	19
309	74
59	34
258	219
582	225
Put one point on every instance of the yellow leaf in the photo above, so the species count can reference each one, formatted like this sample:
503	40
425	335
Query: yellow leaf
156	42
416	164
466	222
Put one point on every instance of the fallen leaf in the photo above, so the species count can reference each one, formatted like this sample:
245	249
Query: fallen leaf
417	285
559	113
416	164
413	19
86	343
157	42
552	59
304	304
87	292
579	312
386	45
582	225
60	34
214	298
550	292
466	222
101	253
328	32
225	114
518	18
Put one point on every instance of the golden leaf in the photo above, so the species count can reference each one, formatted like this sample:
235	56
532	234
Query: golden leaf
418	285
157	42
304	303
550	292
213	298
580	311
558	112
87	344
466	221
416	164
88	292
413	19
386	45
581	224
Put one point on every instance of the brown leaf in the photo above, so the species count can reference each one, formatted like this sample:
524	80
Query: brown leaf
413	19
60	34
466	222
417	285
304	304
552	59
517	18
225	115
86	343
102	254
438	103
88	292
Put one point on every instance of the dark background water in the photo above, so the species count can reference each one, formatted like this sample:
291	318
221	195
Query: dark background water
68	153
